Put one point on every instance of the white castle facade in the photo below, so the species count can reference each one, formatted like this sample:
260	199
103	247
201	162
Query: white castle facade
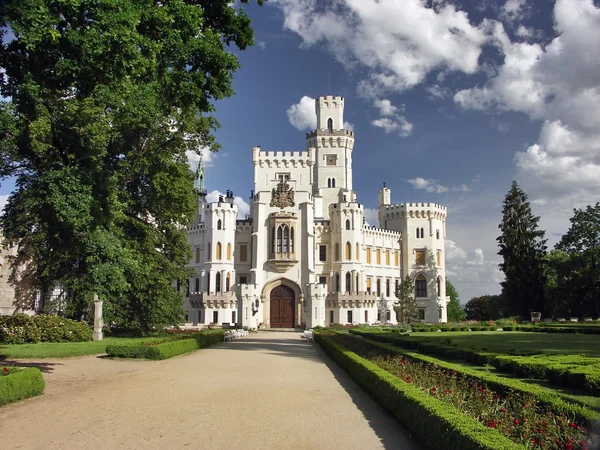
304	256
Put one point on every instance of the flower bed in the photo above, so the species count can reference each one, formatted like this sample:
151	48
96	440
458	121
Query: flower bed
22	329
17	383
518	415
172	346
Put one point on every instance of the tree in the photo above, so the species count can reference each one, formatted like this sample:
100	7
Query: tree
581	244
106	98
455	312
405	306
487	307
522	246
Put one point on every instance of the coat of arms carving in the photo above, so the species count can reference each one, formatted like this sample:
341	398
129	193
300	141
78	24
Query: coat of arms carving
282	195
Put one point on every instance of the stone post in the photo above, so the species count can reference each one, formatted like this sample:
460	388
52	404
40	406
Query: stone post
97	336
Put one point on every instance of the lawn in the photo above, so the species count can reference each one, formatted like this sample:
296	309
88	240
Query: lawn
518	343
65	349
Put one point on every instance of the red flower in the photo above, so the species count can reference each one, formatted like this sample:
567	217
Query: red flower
492	424
5	370
408	380
503	410
572	425
569	447
583	445
516	421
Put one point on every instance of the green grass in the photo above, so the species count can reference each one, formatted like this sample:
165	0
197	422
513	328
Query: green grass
519	343
65	349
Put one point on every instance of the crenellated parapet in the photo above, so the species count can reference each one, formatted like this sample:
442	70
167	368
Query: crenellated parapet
414	210
282	159
374	232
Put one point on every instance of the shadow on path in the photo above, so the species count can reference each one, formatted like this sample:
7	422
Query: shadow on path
45	367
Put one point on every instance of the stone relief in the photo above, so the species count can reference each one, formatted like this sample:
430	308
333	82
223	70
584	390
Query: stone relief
282	195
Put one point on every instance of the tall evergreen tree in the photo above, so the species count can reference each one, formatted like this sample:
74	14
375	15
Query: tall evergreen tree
522	247
106	98
455	312
405	306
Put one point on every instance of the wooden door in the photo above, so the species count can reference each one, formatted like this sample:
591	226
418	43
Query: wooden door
282	307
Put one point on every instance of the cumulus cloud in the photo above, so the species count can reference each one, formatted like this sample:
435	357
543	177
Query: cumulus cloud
429	185
243	206
302	115
348	126
392	119
513	10
194	159
392	39
558	84
371	217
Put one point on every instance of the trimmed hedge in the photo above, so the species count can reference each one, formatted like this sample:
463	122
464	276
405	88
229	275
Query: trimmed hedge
436	424
164	350
20	383
23	329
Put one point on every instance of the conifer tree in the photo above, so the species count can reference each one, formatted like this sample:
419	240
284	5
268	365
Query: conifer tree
522	247
455	311
405	306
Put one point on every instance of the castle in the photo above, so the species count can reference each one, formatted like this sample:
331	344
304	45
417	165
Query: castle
304	256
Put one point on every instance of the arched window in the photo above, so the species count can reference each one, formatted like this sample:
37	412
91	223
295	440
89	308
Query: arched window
337	282
208	247
420	286
378	256
329	182
368	251
286	238
418	233
218	251
228	252
348	282
357	252
330	124
333	182
279	239
219	224
227	282
218	282
348	251
439	286
336	255
273	239
292	240
422	233
347	224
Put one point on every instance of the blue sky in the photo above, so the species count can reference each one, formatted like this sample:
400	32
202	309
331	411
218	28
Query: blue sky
450	101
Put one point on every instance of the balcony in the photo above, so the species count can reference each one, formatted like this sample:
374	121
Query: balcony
213	300
282	262
351	300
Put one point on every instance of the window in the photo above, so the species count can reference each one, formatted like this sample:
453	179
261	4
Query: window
388	315
420	257
330	124
396	259
337	282
333	182
233	317
322	280
437	234
197	285
387	257
243	279
422	233
349	316
330	316
283	177
357	252
378	287
378	256
369	285
328	182
284	239
197	255
336	255
218	251
366	316
219	224
208	283
218	282
215	317
368	251
440	313
209	247
387	288
438	258
347	224
348	282
227	282
439	286
228	252
322	253
243	252
418	233
348	251
421	313
420	286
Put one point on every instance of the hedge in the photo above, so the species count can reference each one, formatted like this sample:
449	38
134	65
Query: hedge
436	424
22	329
164	350
561	375
20	383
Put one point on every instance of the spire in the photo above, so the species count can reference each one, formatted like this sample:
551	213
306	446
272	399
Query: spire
199	181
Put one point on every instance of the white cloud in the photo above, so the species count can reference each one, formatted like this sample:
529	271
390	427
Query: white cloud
385	107
393	39
302	115
262	44
371	217
558	84
243	206
453	252
513	10
3	201
428	185
392	119
348	126
194	158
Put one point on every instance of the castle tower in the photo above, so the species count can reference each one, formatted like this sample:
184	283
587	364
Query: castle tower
332	171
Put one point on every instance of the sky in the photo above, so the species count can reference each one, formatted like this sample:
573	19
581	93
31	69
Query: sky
449	101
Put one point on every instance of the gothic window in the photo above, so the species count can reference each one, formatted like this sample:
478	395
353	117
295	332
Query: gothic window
348	282
218	251
357	253
279	239
219	224
347	224
422	233
218	282
227	282
337	282
330	124
348	251
328	182
292	240
418	233
336	255
420	286
228	252
333	182
286	238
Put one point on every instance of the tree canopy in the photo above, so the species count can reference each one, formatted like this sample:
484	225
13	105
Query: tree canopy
405	306
455	312
105	99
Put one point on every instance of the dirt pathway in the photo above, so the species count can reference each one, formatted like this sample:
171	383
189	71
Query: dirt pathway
269	390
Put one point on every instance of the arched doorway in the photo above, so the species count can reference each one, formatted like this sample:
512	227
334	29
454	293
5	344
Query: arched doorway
282	307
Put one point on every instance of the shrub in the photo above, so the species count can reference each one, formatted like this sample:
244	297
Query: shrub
165	349
17	383
21	329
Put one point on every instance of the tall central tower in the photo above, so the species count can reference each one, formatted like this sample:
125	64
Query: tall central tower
333	144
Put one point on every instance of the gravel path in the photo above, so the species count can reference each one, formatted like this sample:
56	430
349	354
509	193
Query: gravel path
270	390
